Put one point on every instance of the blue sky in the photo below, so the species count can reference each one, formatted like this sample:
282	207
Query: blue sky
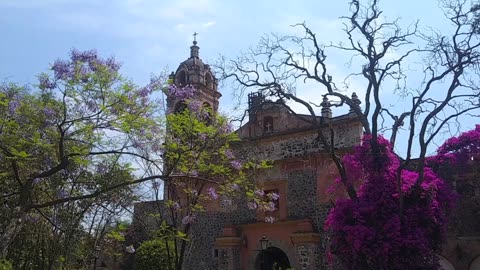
147	35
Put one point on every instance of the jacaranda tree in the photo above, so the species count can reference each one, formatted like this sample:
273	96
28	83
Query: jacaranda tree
69	142
206	173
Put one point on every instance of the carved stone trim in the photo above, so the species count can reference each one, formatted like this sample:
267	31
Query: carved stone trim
228	241
309	237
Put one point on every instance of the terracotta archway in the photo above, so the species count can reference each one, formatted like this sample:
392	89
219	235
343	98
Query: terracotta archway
475	264
272	258
444	263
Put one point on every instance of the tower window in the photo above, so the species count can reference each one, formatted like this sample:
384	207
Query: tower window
268	124
208	80
181	78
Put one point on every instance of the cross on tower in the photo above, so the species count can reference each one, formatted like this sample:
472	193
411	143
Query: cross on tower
195	36
268	127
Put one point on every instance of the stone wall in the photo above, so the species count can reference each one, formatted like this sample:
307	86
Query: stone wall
301	144
209	226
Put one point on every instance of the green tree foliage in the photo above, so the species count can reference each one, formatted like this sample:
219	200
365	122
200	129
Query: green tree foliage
206	172
66	149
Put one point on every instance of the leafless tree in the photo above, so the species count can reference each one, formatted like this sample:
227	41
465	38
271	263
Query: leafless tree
381	53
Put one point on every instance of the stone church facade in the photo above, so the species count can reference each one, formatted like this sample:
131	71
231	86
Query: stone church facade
229	237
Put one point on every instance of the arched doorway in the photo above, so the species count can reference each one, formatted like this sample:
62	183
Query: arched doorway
475	264
272	259
444	263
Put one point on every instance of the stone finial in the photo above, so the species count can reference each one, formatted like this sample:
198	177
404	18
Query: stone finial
356	102
171	78
326	110
194	50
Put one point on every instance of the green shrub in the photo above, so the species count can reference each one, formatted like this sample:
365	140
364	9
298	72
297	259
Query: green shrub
152	255
5	265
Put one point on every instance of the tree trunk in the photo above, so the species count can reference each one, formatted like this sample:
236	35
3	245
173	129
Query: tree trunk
11	231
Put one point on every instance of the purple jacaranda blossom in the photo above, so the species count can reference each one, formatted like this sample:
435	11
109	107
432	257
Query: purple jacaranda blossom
182	93
259	192
188	219
226	128
252	205
83	56
212	193
49	112
91	105
195	105
229	154
269	207
130	249
237	165
62	194
46	83
158	147
202	136
144	91
61	69
234	186
225	201
32	218
13	105
193	173
274	196
176	206
269	219
101	168
112	64
83	73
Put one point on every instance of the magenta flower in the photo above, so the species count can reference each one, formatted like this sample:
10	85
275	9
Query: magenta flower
370	228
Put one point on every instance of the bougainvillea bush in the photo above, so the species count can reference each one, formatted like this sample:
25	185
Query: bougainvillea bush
458	151
376	230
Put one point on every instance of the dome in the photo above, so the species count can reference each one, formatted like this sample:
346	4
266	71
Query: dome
194	71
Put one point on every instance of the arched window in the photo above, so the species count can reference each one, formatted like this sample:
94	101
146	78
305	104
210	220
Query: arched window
181	78
268	124
208	80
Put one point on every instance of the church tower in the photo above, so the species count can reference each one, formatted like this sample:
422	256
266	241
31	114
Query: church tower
194	72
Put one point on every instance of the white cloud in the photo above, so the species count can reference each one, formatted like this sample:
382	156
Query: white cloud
209	24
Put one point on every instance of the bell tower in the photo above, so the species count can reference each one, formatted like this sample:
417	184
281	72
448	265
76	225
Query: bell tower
194	72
